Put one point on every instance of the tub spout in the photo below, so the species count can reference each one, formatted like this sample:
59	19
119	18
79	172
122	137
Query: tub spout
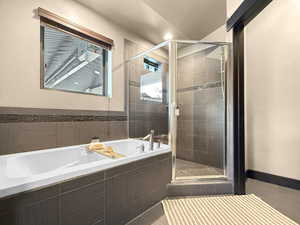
150	138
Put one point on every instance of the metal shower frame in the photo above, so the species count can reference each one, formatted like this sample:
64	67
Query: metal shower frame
172	83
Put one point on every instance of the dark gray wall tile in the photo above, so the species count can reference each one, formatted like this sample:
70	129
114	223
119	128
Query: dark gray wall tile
33	136
117	129
8	218
22	137
147	161
134	94
201	123
116	171
67	134
31	208
185	154
209	188
6	139
29	129
43	213
84	206
22	200
117	204
146	115
90	129
82	181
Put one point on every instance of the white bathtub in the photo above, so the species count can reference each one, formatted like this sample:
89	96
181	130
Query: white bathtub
25	171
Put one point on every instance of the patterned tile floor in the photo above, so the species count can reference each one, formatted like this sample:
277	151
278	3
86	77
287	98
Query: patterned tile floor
285	200
191	169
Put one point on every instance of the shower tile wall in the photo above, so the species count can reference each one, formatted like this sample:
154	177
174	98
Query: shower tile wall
201	124
144	115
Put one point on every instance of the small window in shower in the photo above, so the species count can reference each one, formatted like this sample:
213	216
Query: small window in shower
151	82
151	64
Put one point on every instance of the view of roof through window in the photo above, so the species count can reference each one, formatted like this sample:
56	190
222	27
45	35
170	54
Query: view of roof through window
151	64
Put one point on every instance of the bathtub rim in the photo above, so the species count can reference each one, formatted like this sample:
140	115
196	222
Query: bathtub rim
42	181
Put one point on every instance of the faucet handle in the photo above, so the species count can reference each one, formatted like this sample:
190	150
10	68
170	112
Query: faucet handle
161	138
158	143
141	148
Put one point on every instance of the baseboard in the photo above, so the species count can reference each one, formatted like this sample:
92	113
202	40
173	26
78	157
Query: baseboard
274	179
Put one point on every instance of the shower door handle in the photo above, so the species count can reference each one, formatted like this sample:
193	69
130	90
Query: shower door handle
177	111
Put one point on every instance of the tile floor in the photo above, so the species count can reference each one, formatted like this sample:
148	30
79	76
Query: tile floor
191	169
285	200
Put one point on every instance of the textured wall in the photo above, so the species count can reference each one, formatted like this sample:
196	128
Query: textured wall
201	124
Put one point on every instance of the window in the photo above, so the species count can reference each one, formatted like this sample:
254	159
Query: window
151	64
74	61
151	83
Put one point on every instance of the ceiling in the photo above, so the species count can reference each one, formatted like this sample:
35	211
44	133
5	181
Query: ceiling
152	19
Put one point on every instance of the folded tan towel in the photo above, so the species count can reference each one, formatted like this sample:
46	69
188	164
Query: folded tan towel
109	153
104	150
96	146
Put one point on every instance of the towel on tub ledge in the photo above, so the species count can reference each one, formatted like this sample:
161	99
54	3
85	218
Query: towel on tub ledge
107	151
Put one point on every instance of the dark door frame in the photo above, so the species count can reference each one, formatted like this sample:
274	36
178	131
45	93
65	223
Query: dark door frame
247	11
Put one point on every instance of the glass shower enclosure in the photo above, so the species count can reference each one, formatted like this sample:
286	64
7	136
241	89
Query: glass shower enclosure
179	90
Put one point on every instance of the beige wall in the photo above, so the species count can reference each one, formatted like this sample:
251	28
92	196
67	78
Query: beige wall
232	5
272	44
219	35
273	90
20	56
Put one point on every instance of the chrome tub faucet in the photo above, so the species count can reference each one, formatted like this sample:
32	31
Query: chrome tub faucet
149	137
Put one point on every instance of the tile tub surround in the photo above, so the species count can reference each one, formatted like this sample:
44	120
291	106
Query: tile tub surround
110	197
28	129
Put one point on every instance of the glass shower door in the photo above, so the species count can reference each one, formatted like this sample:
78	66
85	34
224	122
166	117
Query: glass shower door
190	76
147	77
201	99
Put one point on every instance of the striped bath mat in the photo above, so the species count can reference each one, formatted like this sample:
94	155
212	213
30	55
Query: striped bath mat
222	210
